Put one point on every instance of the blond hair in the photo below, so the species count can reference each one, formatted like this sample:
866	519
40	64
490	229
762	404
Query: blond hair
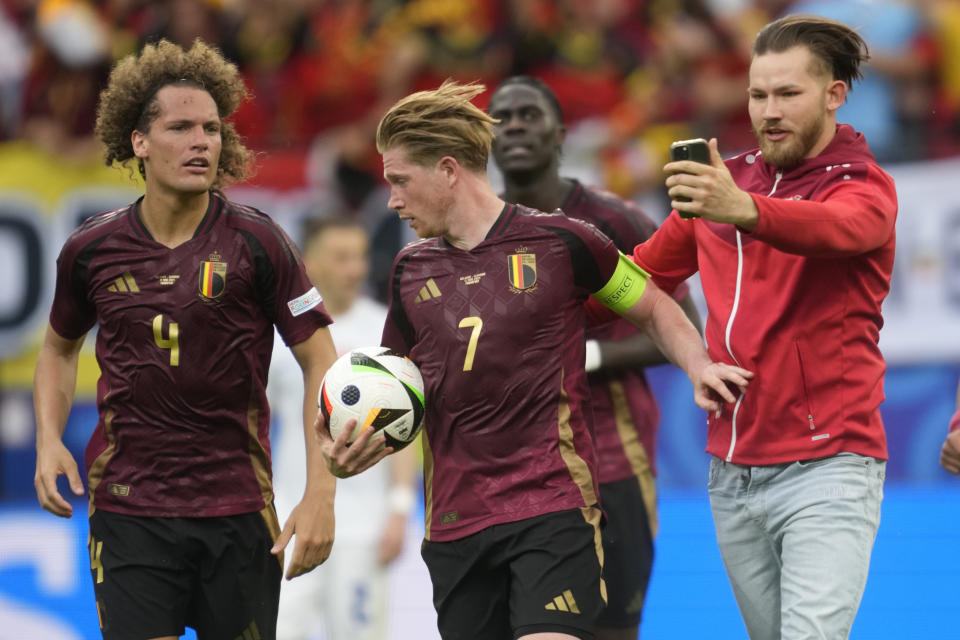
129	102
429	125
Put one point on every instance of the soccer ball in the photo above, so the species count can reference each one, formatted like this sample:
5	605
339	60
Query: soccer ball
382	389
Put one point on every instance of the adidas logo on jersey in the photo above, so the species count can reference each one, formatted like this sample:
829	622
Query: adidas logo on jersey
429	291
563	602
124	284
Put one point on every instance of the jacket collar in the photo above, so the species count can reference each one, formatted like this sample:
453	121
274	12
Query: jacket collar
847	146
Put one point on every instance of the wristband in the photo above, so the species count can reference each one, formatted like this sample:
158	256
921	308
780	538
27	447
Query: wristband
955	421
400	499
593	357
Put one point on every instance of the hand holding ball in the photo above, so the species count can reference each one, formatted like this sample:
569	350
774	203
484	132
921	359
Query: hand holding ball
380	388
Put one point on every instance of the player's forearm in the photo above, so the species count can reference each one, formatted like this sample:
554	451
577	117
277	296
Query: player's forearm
315	355
321	485
54	384
639	350
320	482
676	336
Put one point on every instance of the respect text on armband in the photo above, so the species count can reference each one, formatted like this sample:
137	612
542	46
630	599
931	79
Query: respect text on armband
625	286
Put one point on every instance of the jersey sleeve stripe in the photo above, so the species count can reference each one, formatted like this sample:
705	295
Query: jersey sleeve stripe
102	218
265	277
79	284
289	249
397	312
586	272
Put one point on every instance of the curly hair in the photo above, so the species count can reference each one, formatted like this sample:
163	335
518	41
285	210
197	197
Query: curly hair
443	122
129	102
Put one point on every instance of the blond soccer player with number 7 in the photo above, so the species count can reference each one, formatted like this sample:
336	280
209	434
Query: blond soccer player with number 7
490	306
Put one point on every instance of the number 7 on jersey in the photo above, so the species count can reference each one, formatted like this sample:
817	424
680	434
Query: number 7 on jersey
476	324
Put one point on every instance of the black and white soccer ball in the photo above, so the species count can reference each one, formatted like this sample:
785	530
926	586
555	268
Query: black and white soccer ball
380	388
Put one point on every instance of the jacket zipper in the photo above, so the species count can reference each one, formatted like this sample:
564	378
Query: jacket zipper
733	314
803	383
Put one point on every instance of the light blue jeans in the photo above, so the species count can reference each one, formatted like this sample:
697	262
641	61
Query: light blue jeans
796	541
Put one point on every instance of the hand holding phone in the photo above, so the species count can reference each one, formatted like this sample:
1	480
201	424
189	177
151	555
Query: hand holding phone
695	149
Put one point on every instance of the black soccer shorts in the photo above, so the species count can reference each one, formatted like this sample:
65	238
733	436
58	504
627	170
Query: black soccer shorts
627	553
536	575
154	576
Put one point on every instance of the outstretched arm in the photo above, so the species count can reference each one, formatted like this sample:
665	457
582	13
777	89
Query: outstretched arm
664	321
54	383
851	217
311	521
637	350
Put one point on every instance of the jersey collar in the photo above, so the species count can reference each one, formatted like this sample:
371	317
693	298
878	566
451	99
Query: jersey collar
214	207
503	221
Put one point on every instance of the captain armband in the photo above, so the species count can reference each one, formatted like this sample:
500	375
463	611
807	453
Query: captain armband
625	287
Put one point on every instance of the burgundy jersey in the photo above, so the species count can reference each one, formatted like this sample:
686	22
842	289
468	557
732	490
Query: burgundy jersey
498	334
625	412
183	344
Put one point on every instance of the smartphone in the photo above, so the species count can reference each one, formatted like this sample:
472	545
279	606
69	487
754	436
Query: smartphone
696	150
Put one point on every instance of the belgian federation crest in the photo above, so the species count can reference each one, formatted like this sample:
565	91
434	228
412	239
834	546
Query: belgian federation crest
522	270
213	279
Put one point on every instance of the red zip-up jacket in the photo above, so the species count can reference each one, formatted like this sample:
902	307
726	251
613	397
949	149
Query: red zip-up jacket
797	301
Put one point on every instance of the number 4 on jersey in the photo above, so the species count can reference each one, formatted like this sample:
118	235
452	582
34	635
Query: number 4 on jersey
172	341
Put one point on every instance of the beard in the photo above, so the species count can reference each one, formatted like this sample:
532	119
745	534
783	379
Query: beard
789	153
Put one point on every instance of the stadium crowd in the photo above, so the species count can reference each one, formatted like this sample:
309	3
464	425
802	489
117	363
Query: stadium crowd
633	74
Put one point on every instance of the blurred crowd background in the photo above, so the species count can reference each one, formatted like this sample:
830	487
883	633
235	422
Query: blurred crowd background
639	72
631	76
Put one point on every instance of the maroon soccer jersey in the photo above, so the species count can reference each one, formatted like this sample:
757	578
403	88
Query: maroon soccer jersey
498	333
625	412
183	345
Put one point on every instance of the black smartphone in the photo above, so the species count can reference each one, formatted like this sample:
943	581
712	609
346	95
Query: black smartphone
696	150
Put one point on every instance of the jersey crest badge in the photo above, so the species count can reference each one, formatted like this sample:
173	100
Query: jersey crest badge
213	279
522	271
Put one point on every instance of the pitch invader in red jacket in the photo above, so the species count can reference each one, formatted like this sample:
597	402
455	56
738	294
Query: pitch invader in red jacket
794	243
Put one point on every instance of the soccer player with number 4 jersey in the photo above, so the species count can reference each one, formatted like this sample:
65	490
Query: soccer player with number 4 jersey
489	304
185	288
